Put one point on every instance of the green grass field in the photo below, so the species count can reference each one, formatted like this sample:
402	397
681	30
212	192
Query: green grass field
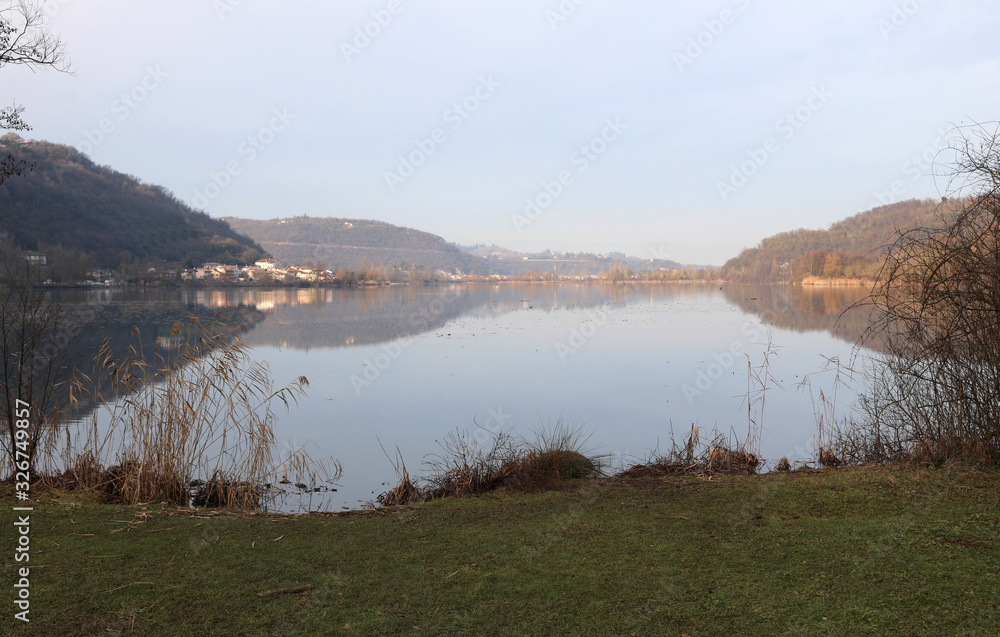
855	552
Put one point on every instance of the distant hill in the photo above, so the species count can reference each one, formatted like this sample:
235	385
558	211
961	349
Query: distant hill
850	248
69	206
344	243
504	261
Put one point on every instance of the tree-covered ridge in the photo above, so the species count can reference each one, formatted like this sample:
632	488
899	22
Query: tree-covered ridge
852	248
344	243
69	205
358	243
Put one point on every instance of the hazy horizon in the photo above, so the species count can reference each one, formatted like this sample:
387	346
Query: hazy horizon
685	133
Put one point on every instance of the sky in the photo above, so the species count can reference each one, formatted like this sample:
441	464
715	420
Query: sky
680	130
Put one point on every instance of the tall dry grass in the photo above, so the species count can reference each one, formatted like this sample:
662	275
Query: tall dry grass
705	453
698	455
760	380
195	426
465	467
833	441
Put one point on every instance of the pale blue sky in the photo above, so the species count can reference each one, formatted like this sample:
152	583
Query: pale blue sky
258	109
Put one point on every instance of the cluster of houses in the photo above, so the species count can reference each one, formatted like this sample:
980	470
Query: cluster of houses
263	270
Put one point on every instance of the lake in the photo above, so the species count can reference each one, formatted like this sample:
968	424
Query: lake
401	367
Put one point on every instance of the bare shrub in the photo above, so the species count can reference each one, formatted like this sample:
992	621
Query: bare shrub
935	388
34	367
464	468
827	458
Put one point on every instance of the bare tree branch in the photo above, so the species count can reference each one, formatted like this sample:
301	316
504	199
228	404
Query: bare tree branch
11	166
10	118
936	389
25	40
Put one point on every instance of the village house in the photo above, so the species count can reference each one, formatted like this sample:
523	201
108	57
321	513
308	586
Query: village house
308	274
227	272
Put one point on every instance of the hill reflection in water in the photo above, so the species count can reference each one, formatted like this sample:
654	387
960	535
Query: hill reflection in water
804	308
406	365
317	318
312	318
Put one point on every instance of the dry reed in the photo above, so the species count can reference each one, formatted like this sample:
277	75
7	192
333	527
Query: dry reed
163	423
466	468
719	456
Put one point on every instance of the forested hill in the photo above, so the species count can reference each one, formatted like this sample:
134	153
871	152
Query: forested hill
851	248
344	243
69	207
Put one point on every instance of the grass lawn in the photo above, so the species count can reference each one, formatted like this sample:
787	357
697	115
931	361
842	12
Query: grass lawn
857	552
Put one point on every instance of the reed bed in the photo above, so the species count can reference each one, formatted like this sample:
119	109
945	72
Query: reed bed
191	428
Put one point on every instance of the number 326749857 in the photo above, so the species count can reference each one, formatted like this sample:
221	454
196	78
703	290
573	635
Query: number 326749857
22	461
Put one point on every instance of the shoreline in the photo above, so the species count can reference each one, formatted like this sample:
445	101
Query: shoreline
840	282
829	552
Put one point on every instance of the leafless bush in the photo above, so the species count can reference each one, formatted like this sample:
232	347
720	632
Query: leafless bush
34	366
935	386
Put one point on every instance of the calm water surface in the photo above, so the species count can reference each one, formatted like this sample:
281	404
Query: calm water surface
407	365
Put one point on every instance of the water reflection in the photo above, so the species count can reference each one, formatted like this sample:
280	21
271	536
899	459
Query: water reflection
310	318
505	356
328	318
156	324
804	308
